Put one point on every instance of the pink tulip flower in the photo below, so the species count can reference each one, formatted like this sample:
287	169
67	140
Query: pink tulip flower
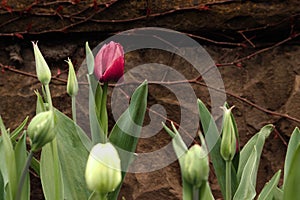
109	62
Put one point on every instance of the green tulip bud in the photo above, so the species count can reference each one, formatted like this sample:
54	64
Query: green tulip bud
42	70
103	169
40	130
196	167
228	142
72	85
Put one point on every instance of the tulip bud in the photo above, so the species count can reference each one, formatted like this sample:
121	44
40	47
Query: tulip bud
72	85
89	59
109	62
103	169
42	70
196	167
228	142
40	130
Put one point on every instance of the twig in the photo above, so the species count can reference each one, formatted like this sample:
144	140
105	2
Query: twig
197	79
64	28
268	25
216	42
9	21
260	51
247	39
12	69
280	137
252	104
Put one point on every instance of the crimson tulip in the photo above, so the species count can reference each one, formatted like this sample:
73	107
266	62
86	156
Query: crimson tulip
109	62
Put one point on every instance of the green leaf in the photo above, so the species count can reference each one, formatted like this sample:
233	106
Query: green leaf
21	158
187	190
73	147
129	124
257	140
101	107
89	59
97	132
97	196
7	192
180	149
246	188
51	175
169	131
2	186
35	165
293	145
292	181
131	121
18	130
267	192
40	105
278	194
205	192
213	141
8	164
179	146
210	129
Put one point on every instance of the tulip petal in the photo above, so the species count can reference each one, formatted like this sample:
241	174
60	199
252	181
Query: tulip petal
115	71
98	70
109	57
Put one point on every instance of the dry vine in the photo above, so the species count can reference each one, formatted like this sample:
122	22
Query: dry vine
56	9
196	80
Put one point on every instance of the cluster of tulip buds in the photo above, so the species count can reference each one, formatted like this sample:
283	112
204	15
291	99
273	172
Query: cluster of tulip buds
40	130
103	168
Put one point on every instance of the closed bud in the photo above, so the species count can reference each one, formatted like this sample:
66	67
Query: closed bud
228	142
103	169
109	62
72	85
196	167
42	70
40	130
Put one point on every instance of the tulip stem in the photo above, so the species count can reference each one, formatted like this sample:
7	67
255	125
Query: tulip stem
23	176
103	197
74	108
98	196
103	115
228	180
48	94
187	190
195	192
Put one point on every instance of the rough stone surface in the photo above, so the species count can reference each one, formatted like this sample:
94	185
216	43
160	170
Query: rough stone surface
112	16
270	80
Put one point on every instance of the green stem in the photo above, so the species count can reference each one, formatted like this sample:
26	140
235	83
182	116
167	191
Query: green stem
103	114
74	108
187	190
195	192
48	94
103	197
94	110
23	176
98	196
228	180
